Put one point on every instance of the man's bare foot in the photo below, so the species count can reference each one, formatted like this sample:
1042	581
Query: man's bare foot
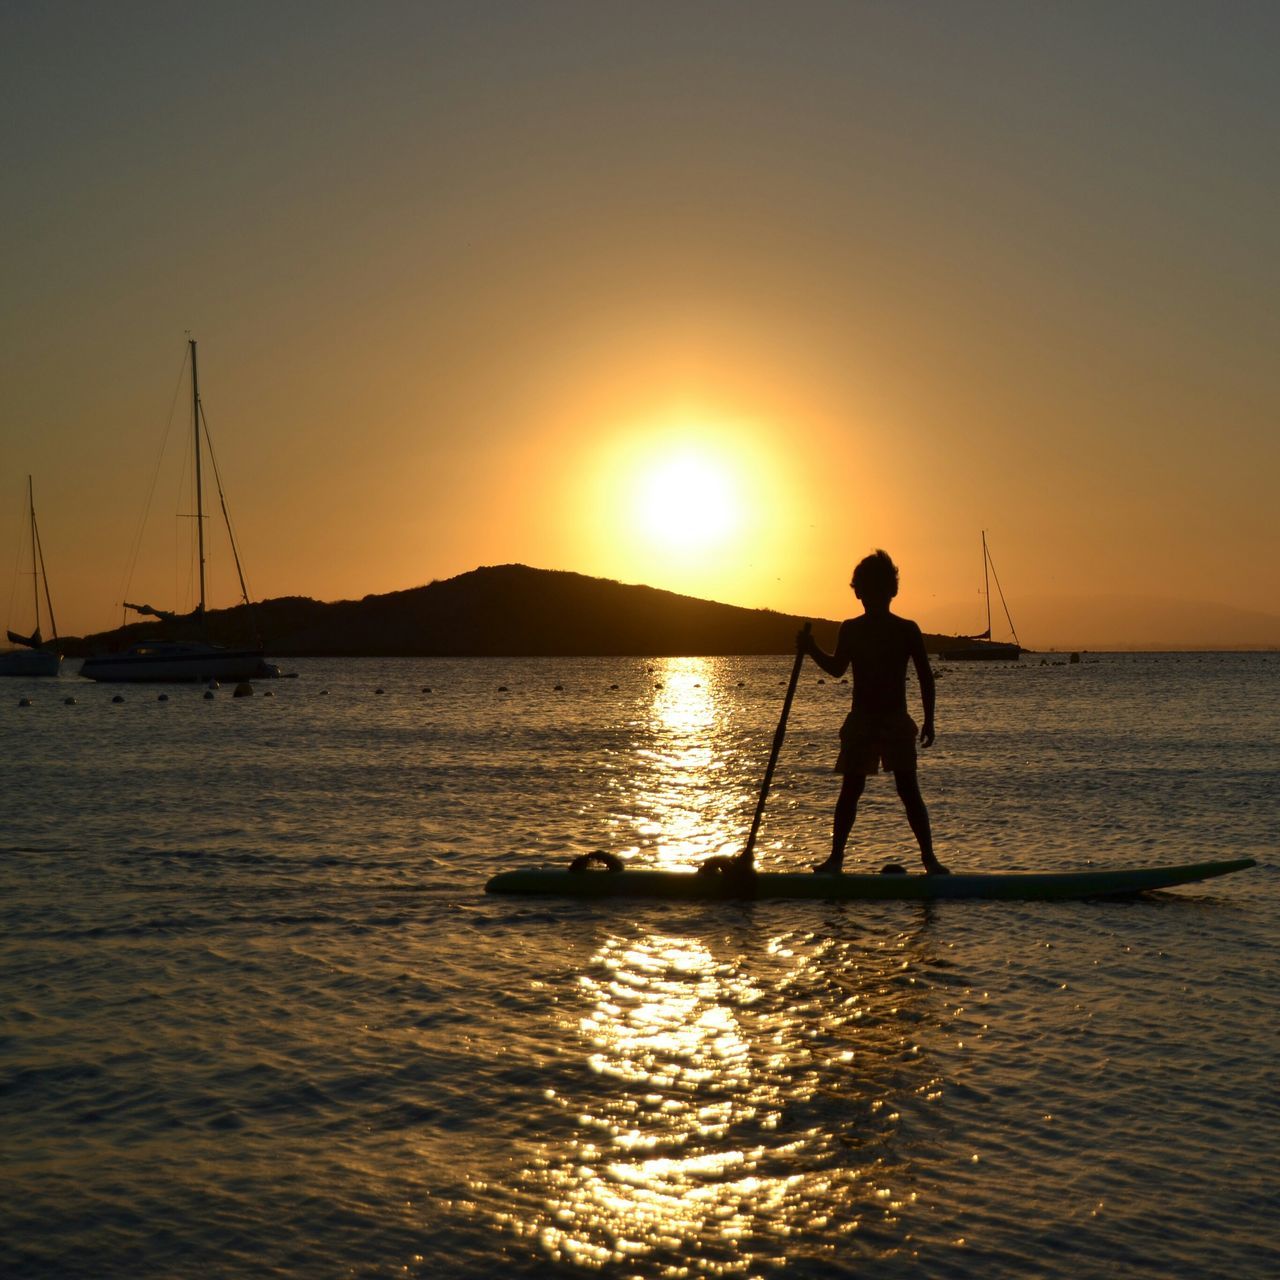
935	868
832	867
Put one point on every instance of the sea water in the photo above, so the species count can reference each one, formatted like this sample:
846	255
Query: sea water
260	1019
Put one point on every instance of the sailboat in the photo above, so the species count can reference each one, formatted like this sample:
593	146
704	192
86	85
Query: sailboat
185	659
34	657
981	647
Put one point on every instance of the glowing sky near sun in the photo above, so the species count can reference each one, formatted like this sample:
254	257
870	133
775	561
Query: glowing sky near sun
712	297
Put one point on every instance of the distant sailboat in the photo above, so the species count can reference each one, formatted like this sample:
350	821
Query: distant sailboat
981	647
194	659
34	657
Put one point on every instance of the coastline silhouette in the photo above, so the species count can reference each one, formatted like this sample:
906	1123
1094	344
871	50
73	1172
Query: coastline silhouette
497	611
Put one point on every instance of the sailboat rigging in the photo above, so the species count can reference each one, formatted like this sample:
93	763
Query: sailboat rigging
195	658
982	646
34	657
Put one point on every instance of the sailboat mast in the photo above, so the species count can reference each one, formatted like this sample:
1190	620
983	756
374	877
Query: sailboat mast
195	423
35	581
986	584
44	575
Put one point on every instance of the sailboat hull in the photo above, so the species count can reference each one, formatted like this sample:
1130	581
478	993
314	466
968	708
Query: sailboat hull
984	651
172	663
30	662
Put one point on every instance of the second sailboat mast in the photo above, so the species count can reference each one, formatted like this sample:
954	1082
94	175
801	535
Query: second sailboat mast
35	581
986	559
195	419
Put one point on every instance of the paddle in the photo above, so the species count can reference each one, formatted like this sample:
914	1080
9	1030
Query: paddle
744	861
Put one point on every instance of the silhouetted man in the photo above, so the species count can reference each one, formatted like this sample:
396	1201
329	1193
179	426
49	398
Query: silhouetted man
878	731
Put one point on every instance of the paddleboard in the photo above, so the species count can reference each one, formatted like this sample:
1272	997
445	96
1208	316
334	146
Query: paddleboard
1012	886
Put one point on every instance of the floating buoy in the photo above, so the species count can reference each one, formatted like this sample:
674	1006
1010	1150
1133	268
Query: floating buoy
742	684
658	685
613	686
164	697
118	698
68	702
244	690
426	688
208	695
558	689
24	702
323	692
379	691
268	693
822	682
502	688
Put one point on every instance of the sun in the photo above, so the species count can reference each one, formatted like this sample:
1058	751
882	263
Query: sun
700	503
686	500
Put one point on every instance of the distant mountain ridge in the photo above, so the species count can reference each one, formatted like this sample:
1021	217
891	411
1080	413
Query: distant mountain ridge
496	611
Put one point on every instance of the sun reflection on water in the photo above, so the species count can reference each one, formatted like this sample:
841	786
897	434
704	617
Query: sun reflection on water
743	1100
682	800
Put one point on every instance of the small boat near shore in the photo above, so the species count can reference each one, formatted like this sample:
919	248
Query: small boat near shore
172	661
34	656
185	656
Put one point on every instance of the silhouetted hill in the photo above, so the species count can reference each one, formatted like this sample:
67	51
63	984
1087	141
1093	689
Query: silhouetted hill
499	611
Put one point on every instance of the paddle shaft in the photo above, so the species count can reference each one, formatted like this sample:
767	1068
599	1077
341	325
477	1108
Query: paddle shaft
748	854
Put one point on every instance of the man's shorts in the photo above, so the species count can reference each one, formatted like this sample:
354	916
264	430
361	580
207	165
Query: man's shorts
870	741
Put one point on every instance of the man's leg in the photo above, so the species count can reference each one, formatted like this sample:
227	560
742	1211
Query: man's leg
846	813
908	785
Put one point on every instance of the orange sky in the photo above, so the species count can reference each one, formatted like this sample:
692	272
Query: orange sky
715	298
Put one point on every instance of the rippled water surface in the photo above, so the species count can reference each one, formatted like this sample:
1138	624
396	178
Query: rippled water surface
259	1018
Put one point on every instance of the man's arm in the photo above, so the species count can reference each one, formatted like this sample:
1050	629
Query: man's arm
834	664
924	673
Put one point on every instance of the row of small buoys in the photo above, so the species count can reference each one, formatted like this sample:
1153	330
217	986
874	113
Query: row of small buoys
245	690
